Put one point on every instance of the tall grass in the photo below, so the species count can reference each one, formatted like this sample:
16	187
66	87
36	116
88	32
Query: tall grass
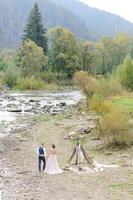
108	87
114	128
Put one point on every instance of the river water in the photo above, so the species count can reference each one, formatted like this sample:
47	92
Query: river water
33	103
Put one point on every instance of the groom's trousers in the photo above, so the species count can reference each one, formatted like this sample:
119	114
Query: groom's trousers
42	159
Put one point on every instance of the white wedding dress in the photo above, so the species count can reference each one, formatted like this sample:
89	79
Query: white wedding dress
52	166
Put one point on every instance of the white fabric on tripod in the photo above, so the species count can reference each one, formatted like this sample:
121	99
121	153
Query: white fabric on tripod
79	152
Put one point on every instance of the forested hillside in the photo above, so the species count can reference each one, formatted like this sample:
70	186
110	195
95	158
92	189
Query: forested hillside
87	23
14	13
98	21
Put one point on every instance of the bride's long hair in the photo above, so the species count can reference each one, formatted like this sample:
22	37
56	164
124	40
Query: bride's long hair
53	146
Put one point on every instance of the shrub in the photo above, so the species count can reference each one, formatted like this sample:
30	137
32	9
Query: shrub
108	87
48	77
114	128
1	80
51	87
29	83
86	82
11	76
100	106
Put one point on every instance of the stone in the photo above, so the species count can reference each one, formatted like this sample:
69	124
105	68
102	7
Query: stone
14	110
108	153
34	100
28	109
96	138
63	104
17	149
88	130
72	133
66	137
23	140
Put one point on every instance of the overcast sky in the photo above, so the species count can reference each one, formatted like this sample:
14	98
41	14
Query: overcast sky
124	8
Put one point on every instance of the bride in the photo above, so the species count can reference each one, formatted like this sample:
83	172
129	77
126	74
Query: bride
52	166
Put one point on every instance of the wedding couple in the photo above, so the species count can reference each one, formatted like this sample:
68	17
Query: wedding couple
51	165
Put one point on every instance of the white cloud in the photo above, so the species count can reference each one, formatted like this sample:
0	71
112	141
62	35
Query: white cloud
124	8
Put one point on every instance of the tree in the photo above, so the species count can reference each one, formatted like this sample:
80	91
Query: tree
126	73
31	58
106	56
87	55
34	29
7	58
64	52
110	52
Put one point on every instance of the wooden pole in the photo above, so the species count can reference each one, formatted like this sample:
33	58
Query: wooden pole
74	152
88	159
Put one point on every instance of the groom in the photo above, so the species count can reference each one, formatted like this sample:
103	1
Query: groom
41	156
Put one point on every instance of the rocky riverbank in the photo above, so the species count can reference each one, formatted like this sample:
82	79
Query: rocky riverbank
16	107
19	176
20	179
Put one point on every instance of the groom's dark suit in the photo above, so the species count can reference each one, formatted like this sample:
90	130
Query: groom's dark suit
41	157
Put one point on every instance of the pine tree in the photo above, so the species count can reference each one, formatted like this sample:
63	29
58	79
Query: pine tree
34	29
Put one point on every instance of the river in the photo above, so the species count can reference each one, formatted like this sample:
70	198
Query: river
16	106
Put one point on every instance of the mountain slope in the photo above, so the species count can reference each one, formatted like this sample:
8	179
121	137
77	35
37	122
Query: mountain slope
98	21
14	13
85	22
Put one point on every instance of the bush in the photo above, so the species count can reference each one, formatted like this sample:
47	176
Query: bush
1	80
114	128
11	76
48	77
3	65
108	87
29	83
86	82
51	87
100	106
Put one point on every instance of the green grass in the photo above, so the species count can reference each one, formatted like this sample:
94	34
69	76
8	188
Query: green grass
126	103
121	186
58	117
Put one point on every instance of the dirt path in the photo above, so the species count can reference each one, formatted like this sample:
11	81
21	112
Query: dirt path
20	179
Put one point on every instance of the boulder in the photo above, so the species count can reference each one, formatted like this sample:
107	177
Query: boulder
10	105
72	133
55	110
13	108
63	104
69	135
66	137
84	130
28	109
87	130
34	101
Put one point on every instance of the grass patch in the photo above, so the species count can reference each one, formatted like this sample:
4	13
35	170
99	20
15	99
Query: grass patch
58	117
62	116
126	103
41	118
121	186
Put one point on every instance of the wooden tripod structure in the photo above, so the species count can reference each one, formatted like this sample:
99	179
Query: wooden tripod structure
77	150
